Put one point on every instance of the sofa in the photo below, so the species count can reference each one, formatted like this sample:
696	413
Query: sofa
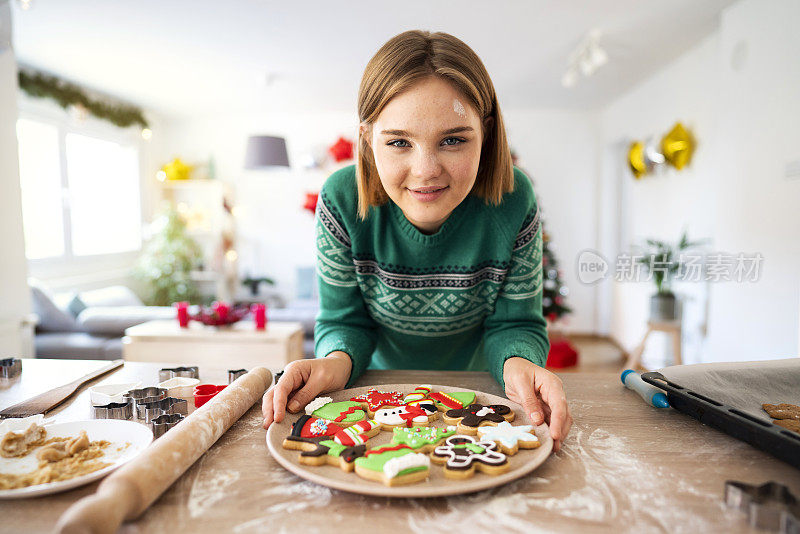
90	325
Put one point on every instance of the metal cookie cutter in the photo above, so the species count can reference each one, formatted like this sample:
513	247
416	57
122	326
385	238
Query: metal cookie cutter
10	367
171	372
114	410
145	395
770	506
233	374
150	410
162	423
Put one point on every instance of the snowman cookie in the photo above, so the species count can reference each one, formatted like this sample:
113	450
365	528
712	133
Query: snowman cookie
404	416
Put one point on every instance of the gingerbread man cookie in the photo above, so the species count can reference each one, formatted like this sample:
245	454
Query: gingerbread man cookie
344	413
463	455
470	418
422	439
393	465
374	399
510	438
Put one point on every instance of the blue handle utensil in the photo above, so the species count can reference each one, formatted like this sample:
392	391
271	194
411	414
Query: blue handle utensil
651	394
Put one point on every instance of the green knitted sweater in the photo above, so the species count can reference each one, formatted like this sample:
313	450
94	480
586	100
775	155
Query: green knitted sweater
467	297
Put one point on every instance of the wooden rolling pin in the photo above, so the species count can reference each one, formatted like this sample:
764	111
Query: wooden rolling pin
129	491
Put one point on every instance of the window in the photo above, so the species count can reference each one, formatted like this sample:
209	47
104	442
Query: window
80	193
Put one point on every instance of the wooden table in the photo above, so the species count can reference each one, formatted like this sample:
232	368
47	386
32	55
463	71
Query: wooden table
625	467
239	345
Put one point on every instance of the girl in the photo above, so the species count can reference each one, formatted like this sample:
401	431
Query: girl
429	249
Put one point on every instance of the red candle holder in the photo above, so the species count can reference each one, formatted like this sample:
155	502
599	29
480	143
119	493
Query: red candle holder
182	313
222	310
260	315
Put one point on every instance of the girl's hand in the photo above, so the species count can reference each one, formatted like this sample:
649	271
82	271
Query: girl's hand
304	380
541	395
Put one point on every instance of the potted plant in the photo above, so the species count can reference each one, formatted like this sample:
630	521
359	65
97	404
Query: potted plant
663	261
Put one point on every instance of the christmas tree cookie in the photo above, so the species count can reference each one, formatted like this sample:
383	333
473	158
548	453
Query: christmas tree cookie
422	439
475	415
344	413
374	399
463	455
393	465
510	438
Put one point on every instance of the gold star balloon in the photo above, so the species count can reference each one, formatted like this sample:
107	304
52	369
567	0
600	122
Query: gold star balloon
177	170
678	146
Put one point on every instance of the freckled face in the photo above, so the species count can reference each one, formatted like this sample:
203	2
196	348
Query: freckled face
426	170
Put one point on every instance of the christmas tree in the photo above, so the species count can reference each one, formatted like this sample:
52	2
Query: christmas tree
554	292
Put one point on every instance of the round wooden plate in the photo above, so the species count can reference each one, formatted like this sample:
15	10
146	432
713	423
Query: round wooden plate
522	463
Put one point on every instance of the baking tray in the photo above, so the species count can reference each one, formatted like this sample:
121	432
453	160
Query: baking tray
759	433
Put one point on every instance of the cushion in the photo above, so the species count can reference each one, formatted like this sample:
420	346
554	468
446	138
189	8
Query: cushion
52	318
76	306
110	296
113	320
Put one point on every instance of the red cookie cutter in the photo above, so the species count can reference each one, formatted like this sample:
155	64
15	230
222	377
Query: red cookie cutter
204	393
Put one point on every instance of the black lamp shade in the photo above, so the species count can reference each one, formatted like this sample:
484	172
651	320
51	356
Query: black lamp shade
265	151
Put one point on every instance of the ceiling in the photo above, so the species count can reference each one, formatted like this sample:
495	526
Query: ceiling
190	57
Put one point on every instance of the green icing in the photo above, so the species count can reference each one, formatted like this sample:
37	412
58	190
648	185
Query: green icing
334	449
332	410
477	449
416	437
375	462
464	397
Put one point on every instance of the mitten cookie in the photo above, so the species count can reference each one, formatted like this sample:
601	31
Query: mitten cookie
462	455
344	413
406	416
393	465
374	399
455	400
328	452
422	439
510	438
470	418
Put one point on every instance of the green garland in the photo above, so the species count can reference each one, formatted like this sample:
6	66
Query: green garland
66	94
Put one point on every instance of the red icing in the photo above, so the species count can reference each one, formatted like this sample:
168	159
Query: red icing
347	412
387	448
331	431
447	401
375	399
410	413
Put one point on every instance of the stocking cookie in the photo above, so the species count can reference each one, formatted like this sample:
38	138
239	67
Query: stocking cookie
407	416
455	400
419	393
422	439
470	418
357	434
510	438
328	452
393	465
374	399
344	413
463	455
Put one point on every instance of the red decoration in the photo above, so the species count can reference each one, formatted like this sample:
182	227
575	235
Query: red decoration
562	354
183	313
311	202
260	315
342	150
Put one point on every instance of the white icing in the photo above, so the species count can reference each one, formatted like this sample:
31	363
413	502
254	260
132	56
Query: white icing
407	461
451	428
484	411
506	433
391	416
316	404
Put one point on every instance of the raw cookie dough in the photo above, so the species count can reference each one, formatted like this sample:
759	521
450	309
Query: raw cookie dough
14	444
782	411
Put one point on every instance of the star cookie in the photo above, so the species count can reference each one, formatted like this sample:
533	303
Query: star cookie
510	438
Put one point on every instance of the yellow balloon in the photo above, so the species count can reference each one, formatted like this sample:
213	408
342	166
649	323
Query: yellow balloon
177	170
678	146
636	159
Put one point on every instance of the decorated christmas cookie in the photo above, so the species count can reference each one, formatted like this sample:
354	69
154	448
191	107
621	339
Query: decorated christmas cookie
510	438
393	465
313	427
420	393
422	439
358	433
374	399
470	418
462	455
454	400
327	451
343	413
406	416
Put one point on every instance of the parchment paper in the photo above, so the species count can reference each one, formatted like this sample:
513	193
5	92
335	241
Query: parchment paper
742	385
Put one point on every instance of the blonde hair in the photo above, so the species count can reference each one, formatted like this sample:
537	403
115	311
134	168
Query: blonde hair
403	61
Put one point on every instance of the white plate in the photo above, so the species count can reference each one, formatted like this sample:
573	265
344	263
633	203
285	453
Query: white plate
108	393
117	432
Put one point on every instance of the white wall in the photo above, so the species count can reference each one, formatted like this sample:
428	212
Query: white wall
745	121
14	294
